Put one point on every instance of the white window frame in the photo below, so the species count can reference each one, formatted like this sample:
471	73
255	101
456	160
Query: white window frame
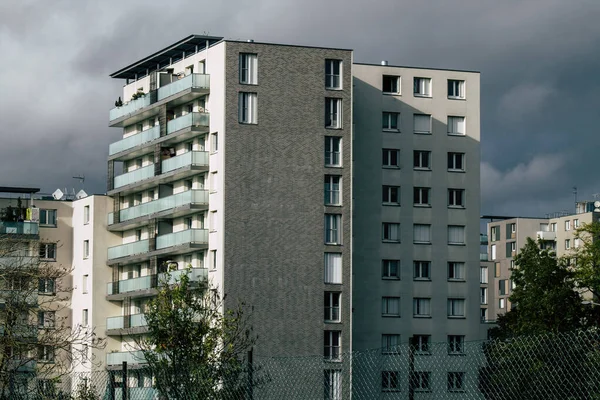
389	193
333	190
85	280
390	121
422	87
390	269
568	225
390	158
421	344
456	162
333	384
214	142
248	103
332	307
456	125
421	307
421	270
333	229
333	151
501	303
483	296
390	232
390	381
456	198
86	249
455	237
456	344
390	306
249	68
46	319
456	271
483	274
422	197
419	124
422	233
456	381
332	345
333	80
493	252
47	286
332	270
422	160
46	354
391	78
390	343
456	308
85	313
576	223
47	251
333	113
48	217
456	85
86	215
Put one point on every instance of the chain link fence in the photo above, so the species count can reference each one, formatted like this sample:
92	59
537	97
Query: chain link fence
552	366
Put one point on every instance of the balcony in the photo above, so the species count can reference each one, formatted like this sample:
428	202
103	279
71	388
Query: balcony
137	175
191	120
192	81
546	235
483	257
199	236
128	249
191	199
483	239
19	228
145	285
130	107
131	357
135	323
131	285
191	158
134	140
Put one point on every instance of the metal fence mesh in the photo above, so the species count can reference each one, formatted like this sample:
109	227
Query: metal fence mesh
552	366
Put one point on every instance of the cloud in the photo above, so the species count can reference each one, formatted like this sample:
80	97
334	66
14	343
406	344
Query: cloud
524	100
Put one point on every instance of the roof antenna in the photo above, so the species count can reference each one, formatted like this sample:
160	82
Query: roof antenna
575	194
81	179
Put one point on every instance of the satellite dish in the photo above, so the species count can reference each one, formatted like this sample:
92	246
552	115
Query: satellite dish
597	205
58	194
81	194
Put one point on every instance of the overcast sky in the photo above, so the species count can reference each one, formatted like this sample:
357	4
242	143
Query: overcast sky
539	62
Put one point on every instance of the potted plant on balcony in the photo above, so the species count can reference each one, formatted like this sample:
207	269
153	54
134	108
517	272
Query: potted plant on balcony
137	95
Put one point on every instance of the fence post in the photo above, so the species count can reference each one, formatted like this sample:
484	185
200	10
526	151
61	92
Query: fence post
411	368
250	376
124	383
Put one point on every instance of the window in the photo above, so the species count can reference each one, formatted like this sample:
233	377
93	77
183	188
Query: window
495	233
389	121
214	145
422	87
333	151
45	353
332	307
390	381
46	319
421	343
456	198
483	275
391	232
48	217
86	215
421	381
567	225
421	307
456	308
333	113
333	232
390	158
422	270
456	126
390	84
502	287
213	256
456	161
421	234
496	270
456	234
247	108
48	251
456	381
456	271
567	244
332	345
483	296
333	71
333	384
390	343
501	303
86	248
212	221
84	284
333	268
511	248
248	68
553	227
513	228
456	89
391	195
421	159
84	317
332	190
421	196
422	123
576	223
456	344
483	314
390	306
493	251
46	286
390	269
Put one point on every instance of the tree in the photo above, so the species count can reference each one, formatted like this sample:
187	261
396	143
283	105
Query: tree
586	258
36	341
193	348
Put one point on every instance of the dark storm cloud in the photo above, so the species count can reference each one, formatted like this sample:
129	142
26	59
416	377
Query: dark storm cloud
539	61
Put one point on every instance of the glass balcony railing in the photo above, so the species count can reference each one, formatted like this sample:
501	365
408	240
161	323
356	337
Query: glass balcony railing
135	321
19	228
134	176
182	237
200	81
134	140
133	357
189	120
483	257
185	159
128	249
166	203
130	107
483	239
145	282
196	275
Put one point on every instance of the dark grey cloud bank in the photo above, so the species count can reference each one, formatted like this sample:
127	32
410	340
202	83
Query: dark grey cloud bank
539	61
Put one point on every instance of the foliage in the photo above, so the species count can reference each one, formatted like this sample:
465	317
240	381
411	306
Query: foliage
138	95
586	258
85	391
192	345
119	102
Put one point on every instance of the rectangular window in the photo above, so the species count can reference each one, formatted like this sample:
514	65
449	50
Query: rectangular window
493	251
48	251
421	307
483	314
390	158
390	381
501	303
86	248
456	89
213	257
247	108
553	227
333	72
422	234
333	229
421	159
456	308
332	345
46	286
456	271
391	232
422	270
421	381
214	142
84	284
390	269
390	121
390	306
456	161
45	354
333	384
483	296
456	198
576	223
456	381
390	84
333	268
456	234
333	151
390	195
495	233
422	87
567	225
46	319
456	344
421	343
333	113
497	270
84	317
47	217
422	123
502	287
390	343
456	126
332	190
483	275
421	196
248	68
332	307
86	215
511	247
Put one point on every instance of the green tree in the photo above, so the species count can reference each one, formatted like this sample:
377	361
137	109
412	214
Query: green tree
586	258
193	347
